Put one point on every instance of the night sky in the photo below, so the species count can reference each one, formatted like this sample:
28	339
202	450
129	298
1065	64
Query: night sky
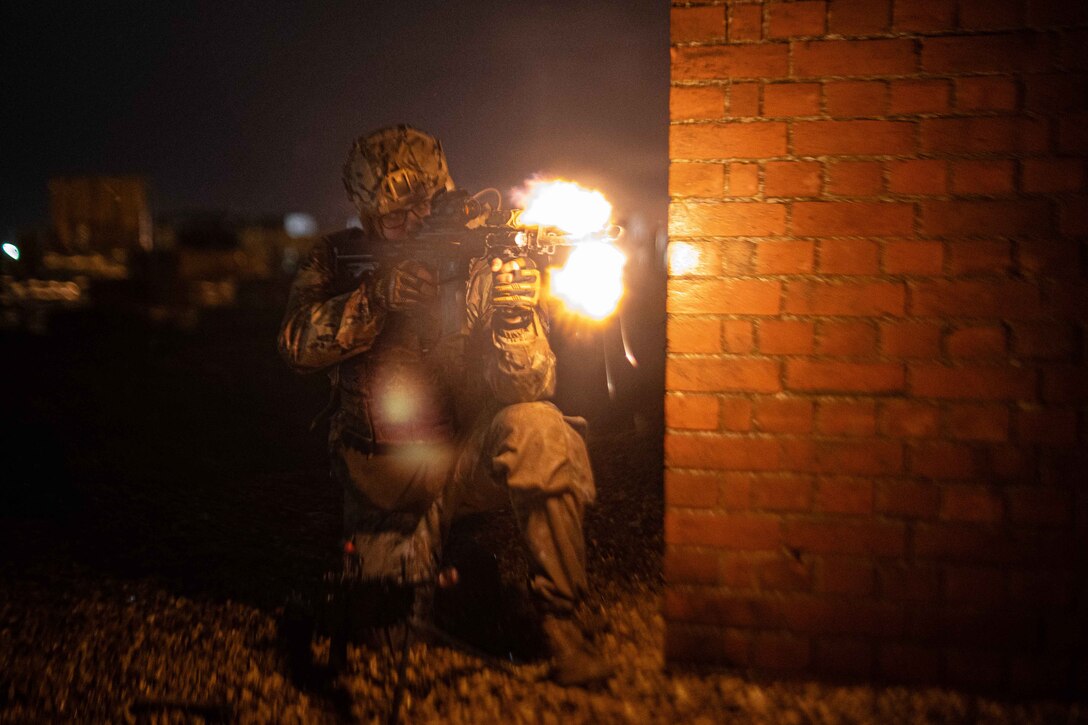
251	107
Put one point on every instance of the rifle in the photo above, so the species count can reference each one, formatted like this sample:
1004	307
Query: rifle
460	228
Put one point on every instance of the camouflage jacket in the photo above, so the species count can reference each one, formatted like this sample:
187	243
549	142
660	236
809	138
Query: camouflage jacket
395	378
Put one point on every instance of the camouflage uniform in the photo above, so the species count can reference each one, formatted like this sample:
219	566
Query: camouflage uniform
425	427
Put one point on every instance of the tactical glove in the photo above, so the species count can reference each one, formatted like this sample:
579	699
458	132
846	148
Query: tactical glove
515	291
405	286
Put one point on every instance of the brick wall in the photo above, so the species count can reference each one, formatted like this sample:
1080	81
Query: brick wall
876	387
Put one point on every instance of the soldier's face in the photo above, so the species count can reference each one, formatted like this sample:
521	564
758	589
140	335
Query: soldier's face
404	223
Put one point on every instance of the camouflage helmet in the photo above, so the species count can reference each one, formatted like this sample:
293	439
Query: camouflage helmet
394	168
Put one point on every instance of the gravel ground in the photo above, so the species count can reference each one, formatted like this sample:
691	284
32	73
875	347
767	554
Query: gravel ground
163	506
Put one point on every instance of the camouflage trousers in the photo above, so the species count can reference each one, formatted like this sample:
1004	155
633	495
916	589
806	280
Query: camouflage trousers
528	457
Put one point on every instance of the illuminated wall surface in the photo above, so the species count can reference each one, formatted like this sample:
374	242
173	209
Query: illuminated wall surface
876	384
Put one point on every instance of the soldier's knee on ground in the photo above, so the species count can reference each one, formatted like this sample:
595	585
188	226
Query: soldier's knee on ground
535	418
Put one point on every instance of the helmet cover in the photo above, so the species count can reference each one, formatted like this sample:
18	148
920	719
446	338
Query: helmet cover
394	168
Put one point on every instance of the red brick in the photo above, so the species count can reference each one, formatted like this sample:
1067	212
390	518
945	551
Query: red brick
783	573
943	460
865	299
1073	134
796	19
721	452
696	179
852	418
844	575
792	178
692	412
785	337
698	24
918	176
847	99
852	219
910	339
848	256
986	93
855	178
842	537
726	219
737	336
819	58
683	565
977	342
982	177
696	644
1022	52
782	415
687	334
863	457
909	583
969	257
745	22
747	532
973	382
923	15
913	257
852	137
823	616
1041	506
913	499
694	259
713	374
844	496
710	607
908	419
692	490
782	493
1015	464
730	61
738	570
842	656
1006	218
1061	12
920	96
1055	92
859	17
905	662
981	585
846	339
743	100
976	298
696	102
743	179
736	415
781	653
844	377
791	99
1048	426
1074	216
785	257
1074	52
990	15
1043	340
1047	176
966	544
724	297
977	423
727	140
732	486
975	626
984	134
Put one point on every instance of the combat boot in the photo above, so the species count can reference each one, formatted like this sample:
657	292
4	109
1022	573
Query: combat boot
575	662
